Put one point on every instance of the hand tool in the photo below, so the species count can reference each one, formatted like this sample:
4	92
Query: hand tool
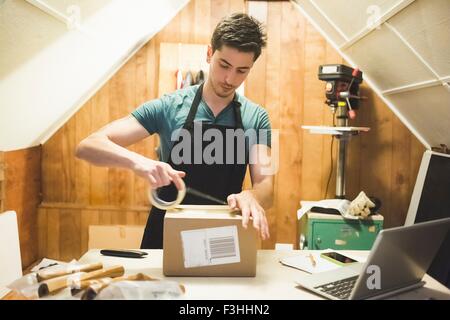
165	205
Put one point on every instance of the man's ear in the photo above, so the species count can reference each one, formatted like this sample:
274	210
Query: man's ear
209	54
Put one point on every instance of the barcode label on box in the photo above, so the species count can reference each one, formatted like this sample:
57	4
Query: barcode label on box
211	246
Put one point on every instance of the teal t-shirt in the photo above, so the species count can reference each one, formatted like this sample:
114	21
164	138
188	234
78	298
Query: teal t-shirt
167	114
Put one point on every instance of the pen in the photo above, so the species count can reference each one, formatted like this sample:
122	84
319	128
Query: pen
313	261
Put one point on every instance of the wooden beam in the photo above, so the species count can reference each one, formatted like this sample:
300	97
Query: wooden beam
66	205
50	11
2	182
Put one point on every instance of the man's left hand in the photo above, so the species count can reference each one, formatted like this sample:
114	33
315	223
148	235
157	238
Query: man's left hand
249	206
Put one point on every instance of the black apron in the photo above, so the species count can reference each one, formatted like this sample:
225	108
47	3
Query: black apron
217	180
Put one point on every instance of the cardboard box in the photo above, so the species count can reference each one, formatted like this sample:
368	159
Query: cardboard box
115	237
208	241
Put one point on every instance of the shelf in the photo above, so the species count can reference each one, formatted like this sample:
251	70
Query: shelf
335	130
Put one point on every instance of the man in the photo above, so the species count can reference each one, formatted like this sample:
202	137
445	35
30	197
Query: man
213	107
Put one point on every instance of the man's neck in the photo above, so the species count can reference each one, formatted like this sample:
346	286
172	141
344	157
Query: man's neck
215	102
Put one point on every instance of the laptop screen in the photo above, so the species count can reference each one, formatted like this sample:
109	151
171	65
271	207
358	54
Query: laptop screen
431	201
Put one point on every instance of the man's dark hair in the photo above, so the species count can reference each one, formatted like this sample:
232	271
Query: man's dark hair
240	31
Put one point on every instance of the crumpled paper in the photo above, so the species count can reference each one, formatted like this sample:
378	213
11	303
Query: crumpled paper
28	285
141	290
154	289
360	207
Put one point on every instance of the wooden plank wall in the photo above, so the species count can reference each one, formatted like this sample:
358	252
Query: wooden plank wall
383	163
64	227
22	193
2	181
178	56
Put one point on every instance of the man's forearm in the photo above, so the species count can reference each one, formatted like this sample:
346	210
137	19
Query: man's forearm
100	151
263	192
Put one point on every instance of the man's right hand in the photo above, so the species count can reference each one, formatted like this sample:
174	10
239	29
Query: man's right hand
107	147
158	173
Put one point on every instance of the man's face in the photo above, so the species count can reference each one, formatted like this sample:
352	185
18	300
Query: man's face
228	69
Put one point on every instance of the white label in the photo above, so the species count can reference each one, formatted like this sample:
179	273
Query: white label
212	246
329	69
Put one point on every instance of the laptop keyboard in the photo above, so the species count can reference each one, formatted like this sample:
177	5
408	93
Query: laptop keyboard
340	289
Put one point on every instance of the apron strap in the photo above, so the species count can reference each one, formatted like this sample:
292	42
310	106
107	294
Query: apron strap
237	113
189	124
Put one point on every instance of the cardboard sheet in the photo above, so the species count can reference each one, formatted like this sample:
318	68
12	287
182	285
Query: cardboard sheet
11	263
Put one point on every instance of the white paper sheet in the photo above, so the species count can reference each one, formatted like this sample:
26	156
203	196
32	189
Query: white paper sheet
338	204
10	260
304	261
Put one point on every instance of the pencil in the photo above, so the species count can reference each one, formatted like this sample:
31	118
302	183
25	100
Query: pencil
313	261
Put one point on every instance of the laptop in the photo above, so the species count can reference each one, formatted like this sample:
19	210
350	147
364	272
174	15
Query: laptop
397	263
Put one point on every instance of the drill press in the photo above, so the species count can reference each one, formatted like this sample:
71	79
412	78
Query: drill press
342	96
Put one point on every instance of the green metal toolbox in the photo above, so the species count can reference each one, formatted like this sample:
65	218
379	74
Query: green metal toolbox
318	231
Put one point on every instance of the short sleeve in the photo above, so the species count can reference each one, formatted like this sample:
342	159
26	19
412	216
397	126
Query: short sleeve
150	115
264	130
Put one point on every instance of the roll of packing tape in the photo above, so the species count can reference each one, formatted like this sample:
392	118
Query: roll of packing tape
165	205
